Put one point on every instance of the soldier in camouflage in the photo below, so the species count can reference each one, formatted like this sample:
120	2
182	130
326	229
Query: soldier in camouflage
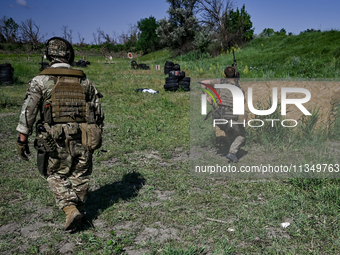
68	162
234	135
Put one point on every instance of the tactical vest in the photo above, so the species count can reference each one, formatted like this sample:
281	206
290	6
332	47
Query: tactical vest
67	102
224	111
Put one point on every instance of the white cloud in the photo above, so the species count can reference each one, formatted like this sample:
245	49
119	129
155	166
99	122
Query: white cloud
21	2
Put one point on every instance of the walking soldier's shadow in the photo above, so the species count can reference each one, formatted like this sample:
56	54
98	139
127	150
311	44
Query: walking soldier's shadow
102	198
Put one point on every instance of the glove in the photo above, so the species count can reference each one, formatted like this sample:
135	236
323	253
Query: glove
23	149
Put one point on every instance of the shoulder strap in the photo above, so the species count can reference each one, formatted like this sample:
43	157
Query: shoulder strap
62	71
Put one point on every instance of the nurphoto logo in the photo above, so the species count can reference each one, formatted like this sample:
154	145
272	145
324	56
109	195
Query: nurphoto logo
238	104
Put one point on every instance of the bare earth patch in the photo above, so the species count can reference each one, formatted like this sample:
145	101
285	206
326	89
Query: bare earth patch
157	234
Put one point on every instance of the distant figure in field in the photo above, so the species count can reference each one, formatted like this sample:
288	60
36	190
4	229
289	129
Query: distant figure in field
233	136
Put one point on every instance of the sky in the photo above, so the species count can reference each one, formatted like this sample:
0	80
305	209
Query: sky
115	17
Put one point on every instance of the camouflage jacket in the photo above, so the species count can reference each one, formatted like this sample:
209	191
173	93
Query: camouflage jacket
42	85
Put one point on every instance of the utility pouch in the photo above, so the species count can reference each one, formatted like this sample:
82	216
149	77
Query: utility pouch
47	111
47	144
42	158
71	130
91	136
90	113
56	131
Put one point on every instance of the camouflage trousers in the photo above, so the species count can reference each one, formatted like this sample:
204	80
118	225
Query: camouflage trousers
69	170
230	137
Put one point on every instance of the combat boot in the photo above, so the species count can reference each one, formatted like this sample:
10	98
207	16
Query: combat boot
73	217
232	157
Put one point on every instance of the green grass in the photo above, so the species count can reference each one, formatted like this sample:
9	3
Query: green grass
309	55
158	56
143	196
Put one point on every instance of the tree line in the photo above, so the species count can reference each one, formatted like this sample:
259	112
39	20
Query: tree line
205	26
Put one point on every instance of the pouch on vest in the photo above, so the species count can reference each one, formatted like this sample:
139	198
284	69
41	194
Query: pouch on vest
56	131
47	112
90	113
91	136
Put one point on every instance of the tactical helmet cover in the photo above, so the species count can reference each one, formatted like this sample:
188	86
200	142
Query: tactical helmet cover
57	48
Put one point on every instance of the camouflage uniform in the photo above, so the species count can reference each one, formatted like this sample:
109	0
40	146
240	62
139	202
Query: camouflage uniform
232	136
70	165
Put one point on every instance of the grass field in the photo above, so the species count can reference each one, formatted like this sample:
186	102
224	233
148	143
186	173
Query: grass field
144	199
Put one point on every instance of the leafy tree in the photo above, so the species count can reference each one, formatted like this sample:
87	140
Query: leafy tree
179	30
148	39
119	47
180	11
230	27
202	39
130	45
310	30
9	29
267	32
240	27
281	32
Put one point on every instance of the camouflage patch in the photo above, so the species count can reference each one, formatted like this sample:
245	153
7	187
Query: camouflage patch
62	190
70	176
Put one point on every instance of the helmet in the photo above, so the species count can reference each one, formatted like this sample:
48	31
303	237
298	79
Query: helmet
58	47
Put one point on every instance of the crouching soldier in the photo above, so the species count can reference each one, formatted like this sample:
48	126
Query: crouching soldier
234	135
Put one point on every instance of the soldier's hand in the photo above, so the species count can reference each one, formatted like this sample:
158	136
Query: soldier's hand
23	150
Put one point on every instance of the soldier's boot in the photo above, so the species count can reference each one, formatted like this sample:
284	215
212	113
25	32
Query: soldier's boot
232	157
73	217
